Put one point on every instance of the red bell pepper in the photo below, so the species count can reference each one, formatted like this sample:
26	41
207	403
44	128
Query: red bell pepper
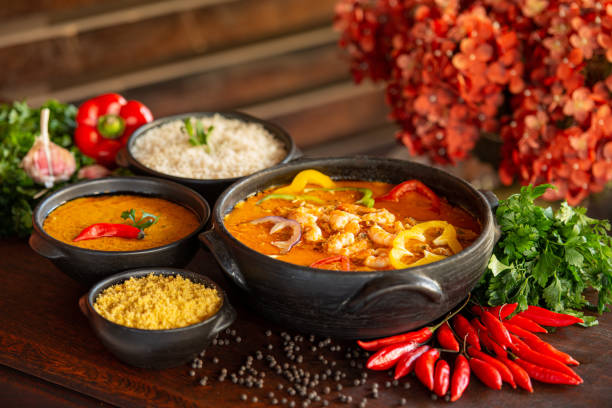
408	186
105	123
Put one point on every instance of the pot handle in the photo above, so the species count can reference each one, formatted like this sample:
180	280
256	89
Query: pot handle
43	248
223	257
380	287
121	158
227	315
493	203
83	305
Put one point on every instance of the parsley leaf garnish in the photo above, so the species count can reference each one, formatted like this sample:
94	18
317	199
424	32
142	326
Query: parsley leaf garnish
200	136
548	259
145	221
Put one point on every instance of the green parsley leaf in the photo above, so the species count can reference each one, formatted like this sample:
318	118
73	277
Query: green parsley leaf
548	259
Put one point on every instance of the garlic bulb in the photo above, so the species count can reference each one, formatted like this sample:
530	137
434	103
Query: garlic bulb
93	171
46	162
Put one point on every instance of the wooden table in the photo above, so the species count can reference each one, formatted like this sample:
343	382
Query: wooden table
50	357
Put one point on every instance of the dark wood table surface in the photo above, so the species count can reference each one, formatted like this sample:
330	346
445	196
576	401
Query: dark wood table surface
50	357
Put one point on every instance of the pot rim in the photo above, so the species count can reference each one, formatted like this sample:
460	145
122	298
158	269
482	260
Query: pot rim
219	226
38	229
276	131
142	272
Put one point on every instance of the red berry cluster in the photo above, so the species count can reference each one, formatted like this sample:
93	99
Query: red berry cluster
538	73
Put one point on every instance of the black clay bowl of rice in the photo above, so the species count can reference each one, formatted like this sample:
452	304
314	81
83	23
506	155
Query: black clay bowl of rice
206	151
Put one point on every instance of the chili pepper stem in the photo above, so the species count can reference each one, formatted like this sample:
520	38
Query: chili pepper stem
451	315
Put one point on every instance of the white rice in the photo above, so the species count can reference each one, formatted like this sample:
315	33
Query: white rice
237	148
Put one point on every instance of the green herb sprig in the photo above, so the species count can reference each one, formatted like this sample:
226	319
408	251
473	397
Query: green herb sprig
200	136
548	258
145	221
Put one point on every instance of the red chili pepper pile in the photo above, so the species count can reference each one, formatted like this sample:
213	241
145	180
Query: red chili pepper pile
499	349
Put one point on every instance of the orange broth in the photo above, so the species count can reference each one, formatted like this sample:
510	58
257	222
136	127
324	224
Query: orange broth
68	220
411	206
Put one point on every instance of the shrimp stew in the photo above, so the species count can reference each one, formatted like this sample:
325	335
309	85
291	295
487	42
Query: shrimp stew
352	225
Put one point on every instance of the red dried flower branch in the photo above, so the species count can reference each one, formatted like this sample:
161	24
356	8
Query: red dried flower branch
536	72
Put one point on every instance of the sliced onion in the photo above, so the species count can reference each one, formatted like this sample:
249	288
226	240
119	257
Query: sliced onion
281	223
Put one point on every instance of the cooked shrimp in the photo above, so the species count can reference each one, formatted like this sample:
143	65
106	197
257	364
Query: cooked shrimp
353	226
379	236
381	216
339	219
442	251
358	246
312	232
335	243
379	259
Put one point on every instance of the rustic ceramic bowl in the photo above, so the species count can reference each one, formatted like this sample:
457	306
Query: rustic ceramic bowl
88	266
208	188
156	349
354	304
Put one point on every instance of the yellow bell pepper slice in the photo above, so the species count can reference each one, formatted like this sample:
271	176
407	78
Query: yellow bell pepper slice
303	178
417	232
449	237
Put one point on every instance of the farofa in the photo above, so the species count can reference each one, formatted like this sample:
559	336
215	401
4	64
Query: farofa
158	302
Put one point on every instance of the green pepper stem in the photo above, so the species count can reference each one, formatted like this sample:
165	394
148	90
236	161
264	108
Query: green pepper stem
290	197
366	199
111	126
450	315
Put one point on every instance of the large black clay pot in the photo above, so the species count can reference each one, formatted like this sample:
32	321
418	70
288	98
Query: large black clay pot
354	304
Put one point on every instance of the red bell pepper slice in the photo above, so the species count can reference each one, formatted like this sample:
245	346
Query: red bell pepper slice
105	123
345	263
408	186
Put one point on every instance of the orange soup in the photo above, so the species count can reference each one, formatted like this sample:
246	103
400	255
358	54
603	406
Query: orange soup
352	225
173	221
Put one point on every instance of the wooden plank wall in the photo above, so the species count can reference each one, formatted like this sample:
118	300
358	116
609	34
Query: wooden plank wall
276	59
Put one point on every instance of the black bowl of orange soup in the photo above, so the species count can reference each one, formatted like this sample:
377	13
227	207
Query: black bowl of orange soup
353	247
96	228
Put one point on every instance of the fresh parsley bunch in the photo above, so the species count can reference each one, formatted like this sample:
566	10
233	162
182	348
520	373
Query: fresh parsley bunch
548	259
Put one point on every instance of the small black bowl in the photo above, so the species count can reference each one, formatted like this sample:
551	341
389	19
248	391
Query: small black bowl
88	266
209	188
354	304
156	349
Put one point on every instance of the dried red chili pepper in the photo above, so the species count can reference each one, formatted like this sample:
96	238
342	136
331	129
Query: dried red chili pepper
540	345
460	378
441	378
446	338
424	367
496	328
500	312
105	229
465	331
386	358
411	185
406	362
487	341
547	317
522	350
527	324
520	375
344	261
546	375
419	336
486	373
504	371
